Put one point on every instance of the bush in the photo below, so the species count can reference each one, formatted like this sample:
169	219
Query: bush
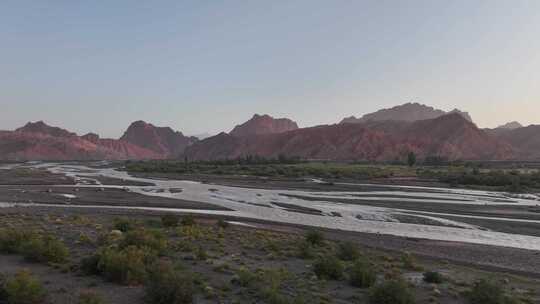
188	220
328	267
124	224
24	289
433	277
305	250
362	274
165	285
244	277
391	292
44	249
487	292
126	266
348	251
315	237
152	239
11	240
170	220
90	297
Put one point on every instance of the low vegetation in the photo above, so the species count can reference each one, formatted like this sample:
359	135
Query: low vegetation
391	292
35	246
23	288
165	284
489	292
362	274
185	260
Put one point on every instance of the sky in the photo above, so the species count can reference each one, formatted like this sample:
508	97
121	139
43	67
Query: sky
204	66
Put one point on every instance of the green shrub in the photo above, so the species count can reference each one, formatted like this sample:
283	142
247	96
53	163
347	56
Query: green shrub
314	237
305	250
11	240
24	289
328	267
44	249
188	220
487	292
90	297
124	224
433	277
170	220
348	251
125	266
391	292
152	239
165	285
362	274
244	277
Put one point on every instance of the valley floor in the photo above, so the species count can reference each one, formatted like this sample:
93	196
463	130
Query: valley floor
219	257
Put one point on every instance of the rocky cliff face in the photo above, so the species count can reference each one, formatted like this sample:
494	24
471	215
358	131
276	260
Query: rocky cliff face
263	124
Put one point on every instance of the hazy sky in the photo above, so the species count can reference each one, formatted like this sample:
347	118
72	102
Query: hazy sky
203	66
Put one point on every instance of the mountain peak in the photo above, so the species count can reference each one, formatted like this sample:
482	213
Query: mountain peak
409	112
511	126
42	128
264	124
162	140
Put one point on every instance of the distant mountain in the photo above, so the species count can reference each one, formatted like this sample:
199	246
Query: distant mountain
407	112
202	136
450	136
510	126
525	140
162	140
39	141
42	128
263	124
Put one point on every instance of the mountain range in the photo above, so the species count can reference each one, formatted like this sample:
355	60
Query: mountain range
385	135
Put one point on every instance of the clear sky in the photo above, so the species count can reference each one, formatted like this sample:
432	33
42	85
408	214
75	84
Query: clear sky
203	66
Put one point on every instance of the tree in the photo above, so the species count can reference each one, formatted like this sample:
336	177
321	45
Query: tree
411	159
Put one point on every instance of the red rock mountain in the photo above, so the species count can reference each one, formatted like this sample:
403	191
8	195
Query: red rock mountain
162	140
263	124
42	128
407	112
525	140
38	141
450	136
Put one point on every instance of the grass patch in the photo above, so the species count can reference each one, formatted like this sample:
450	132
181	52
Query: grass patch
391	292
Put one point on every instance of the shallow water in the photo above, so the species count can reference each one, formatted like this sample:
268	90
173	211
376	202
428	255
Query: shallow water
263	204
